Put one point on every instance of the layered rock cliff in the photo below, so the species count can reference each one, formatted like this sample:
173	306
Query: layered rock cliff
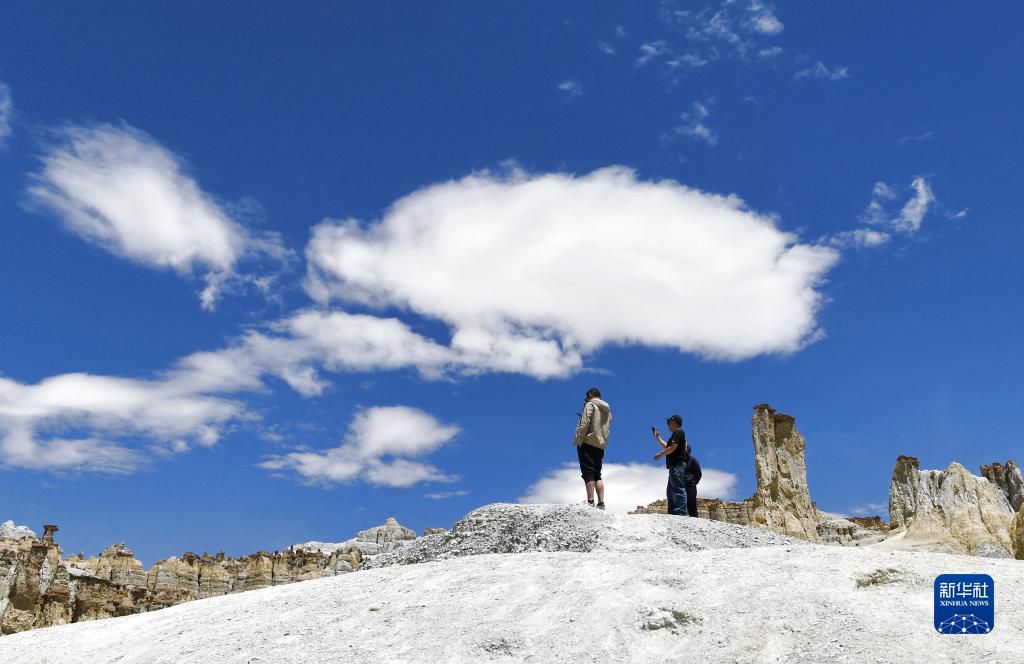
948	510
38	588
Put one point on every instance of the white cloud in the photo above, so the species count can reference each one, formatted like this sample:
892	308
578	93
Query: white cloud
916	138
820	71
914	210
6	110
767	53
763	19
375	450
907	221
118	188
571	88
444	495
531	271
626	485
861	237
694	124
651	51
870	509
910	216
71	421
606	48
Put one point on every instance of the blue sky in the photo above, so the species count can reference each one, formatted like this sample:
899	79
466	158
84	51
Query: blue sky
276	275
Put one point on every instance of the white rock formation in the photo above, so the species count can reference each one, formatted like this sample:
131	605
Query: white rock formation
947	510
10	531
651	588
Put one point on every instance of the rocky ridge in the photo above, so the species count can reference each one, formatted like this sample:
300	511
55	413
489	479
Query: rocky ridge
949	510
40	588
582	586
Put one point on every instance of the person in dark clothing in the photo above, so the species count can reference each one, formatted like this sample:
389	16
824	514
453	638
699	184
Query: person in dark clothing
691	477
676	454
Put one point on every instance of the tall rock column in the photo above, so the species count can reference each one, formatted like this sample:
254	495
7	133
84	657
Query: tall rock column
783	501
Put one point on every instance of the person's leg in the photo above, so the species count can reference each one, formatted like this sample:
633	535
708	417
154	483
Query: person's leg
599	485
668	496
691	499
586	471
677	489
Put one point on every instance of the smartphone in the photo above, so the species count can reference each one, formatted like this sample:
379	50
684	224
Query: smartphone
654	430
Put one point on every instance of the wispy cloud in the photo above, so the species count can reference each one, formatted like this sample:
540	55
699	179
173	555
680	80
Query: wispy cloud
882	220
6	111
768	53
870	509
916	138
651	51
119	189
379	449
819	71
444	495
606	48
572	88
861	237
693	124
763	18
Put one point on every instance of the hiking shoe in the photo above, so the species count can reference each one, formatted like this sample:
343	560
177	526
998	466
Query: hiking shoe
589	502
600	506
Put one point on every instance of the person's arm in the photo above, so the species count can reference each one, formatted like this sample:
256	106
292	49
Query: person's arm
584	426
669	449
657	436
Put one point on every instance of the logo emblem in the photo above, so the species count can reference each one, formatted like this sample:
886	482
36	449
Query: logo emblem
965	604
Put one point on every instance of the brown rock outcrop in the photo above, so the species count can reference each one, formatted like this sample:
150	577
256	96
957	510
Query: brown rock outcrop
948	510
1009	481
39	589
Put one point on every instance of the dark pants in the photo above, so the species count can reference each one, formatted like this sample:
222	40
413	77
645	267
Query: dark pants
591	459
691	498
676	491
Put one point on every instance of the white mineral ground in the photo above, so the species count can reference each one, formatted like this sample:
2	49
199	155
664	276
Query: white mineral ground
573	585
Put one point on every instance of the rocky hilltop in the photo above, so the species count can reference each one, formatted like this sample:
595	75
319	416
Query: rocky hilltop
40	588
568	583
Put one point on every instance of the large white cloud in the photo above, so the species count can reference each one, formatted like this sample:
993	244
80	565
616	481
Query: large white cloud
118	188
626	485
376	450
531	271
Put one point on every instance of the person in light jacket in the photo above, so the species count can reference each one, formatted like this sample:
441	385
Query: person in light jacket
590	440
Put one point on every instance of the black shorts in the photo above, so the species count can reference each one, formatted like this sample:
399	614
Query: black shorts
590	462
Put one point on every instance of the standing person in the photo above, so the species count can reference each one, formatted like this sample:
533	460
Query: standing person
590	440
691	476
676	455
